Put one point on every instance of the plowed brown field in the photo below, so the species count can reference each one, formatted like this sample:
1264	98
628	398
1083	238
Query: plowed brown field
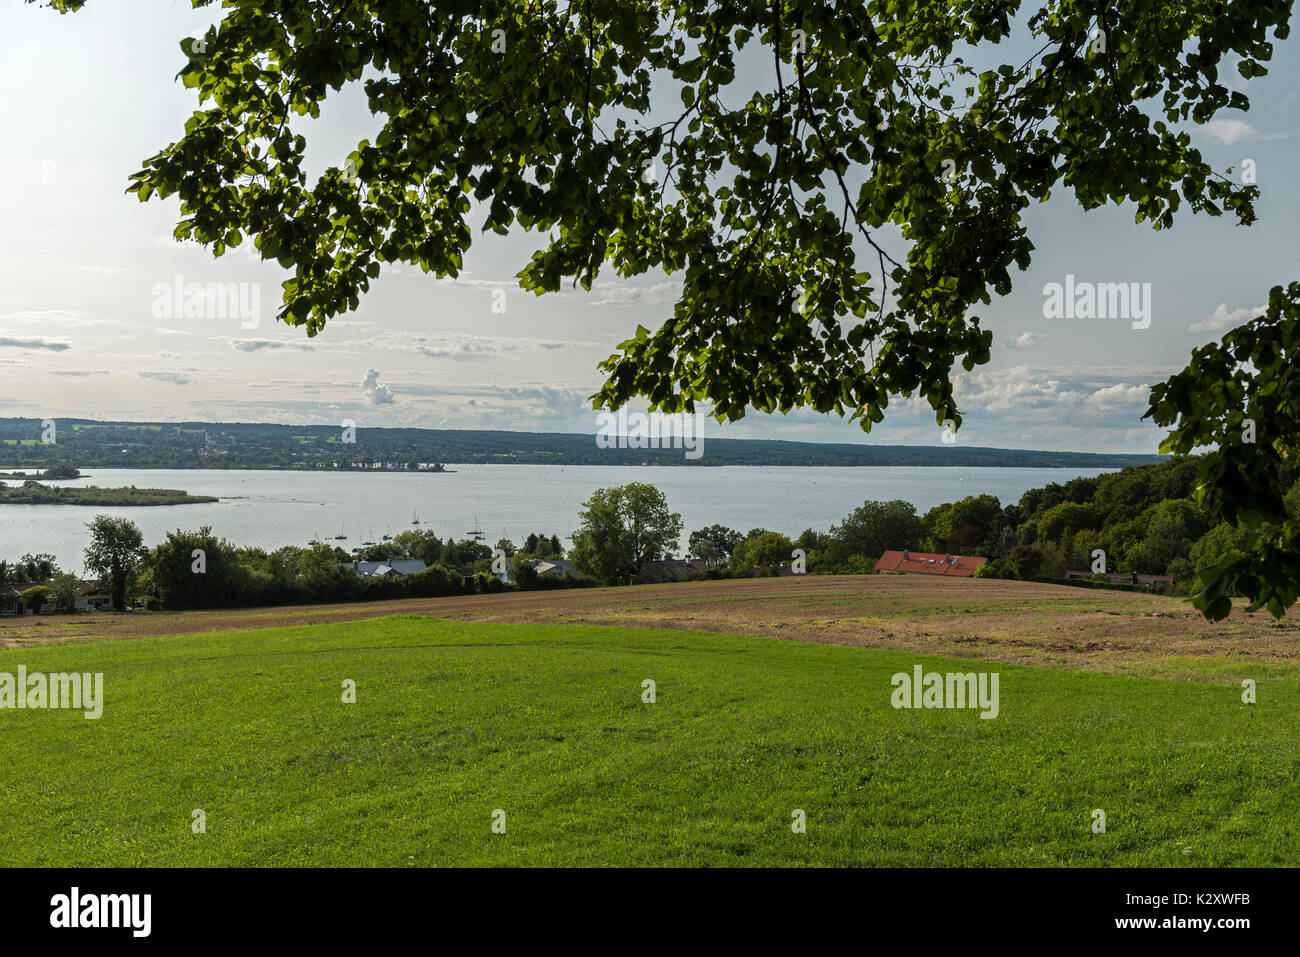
1017	622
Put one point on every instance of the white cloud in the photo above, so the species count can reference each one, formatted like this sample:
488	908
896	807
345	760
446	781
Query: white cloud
1027	340
1047	399
1118	396
1228	132
375	393
257	345
1222	320
624	294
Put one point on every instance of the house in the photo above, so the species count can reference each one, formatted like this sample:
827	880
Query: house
781	571
556	567
1124	578
1147	581
11	598
668	569
397	568
93	598
908	562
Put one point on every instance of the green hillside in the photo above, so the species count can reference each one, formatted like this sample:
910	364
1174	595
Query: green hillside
453	721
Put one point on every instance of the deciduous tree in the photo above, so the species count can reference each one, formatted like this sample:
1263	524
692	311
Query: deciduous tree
115	553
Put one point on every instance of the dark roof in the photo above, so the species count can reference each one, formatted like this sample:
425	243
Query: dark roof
670	568
1119	578
17	588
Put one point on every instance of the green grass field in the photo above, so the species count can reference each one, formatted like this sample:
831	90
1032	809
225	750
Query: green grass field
546	723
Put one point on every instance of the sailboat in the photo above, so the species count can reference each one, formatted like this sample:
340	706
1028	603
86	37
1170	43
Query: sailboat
372	538
388	537
475	532
415	518
315	540
340	537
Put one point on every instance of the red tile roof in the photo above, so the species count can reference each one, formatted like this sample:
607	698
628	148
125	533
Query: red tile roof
926	563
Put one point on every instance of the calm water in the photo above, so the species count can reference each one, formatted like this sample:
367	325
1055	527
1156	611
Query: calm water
271	509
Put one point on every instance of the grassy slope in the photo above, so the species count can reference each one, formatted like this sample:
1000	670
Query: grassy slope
454	720
1023	623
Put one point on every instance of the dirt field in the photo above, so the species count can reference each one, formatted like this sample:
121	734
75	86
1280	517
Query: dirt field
1017	622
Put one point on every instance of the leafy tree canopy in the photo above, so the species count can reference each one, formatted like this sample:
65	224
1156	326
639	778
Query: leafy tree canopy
723	540
772	155
963	526
621	528
875	527
65	589
1239	397
769	548
115	553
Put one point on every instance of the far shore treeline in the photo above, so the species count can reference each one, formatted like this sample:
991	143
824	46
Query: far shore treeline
221	445
1144	520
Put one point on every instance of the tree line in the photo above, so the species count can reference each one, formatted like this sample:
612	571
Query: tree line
1140	520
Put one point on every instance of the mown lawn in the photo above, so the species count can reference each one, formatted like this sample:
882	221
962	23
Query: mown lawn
546	723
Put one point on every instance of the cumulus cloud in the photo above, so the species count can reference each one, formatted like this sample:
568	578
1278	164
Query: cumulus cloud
1027	340
376	394
1121	395
1047	397
624	294
1222	319
1227	132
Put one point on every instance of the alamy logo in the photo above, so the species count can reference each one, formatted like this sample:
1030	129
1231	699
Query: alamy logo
76	691
654	431
209	300
923	689
1105	300
102	910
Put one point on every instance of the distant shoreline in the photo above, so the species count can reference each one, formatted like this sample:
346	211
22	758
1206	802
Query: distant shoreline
88	443
208	467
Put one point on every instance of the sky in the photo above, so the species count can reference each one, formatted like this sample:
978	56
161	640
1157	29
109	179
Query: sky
85	332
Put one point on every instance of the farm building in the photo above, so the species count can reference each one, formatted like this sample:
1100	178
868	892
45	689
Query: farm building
396	568
1124	578
908	562
556	567
668	569
10	598
92	599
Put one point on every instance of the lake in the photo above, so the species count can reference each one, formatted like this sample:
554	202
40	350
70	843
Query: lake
275	508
